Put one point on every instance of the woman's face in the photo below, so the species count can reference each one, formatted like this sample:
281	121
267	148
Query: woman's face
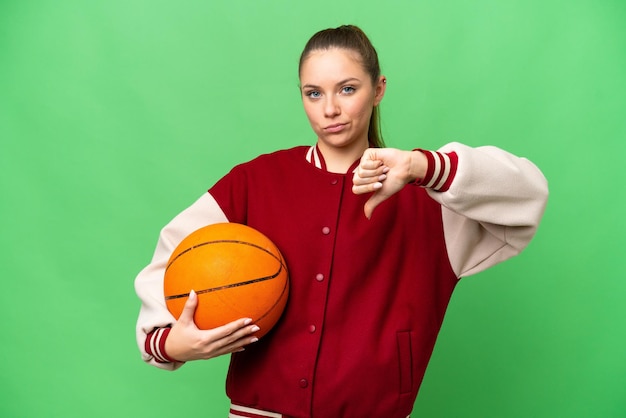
338	97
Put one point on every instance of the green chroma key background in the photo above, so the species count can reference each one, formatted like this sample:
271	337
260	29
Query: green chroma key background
115	115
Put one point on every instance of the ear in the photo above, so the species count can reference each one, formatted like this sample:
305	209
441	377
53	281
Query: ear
380	88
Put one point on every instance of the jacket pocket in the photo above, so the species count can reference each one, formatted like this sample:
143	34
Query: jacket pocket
405	361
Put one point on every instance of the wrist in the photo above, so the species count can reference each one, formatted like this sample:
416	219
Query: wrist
440	170
155	345
418	166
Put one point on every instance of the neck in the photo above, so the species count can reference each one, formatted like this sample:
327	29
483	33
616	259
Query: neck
339	160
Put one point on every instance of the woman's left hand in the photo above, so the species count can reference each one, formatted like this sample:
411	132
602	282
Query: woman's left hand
385	171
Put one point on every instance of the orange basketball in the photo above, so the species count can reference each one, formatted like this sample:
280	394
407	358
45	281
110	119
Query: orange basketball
236	271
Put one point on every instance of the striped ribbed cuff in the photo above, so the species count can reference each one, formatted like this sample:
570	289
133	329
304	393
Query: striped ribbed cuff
155	345
441	170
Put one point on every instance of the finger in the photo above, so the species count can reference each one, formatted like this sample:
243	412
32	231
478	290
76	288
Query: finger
368	168
373	177
370	157
369	178
242	337
361	171
241	345
366	188
236	341
367	164
237	346
235	329
190	308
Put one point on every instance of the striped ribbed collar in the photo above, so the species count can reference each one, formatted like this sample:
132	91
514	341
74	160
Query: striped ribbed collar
314	156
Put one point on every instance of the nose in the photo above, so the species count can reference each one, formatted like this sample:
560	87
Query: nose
331	107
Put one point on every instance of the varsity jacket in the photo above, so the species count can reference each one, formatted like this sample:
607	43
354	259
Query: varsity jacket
367	297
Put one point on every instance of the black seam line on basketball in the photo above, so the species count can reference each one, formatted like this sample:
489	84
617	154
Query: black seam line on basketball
228	286
282	293
224	241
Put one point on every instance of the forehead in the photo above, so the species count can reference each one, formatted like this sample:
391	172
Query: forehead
330	65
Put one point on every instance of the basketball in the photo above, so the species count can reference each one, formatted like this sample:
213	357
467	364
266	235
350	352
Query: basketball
235	270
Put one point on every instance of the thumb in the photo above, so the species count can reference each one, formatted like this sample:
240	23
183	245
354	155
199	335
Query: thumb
190	307
372	203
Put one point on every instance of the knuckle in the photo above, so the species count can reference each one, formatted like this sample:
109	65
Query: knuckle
205	340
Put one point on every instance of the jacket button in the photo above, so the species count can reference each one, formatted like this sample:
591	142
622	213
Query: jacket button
304	383
312	328
334	181
326	230
319	277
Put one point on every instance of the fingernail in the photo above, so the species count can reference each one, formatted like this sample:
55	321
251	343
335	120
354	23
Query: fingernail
386	170
248	321
192	293
253	340
382	177
377	186
254	328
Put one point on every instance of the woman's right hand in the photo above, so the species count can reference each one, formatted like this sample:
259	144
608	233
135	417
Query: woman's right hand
187	342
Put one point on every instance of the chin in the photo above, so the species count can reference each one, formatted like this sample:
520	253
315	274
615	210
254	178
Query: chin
348	142
339	144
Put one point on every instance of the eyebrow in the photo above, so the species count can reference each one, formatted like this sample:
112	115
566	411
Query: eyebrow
347	80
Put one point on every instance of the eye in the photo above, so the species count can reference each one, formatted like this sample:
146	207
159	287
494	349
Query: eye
313	94
348	90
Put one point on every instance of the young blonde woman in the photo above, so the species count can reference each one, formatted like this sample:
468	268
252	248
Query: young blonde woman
375	240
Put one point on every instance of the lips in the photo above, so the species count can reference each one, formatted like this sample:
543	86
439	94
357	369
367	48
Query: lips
335	128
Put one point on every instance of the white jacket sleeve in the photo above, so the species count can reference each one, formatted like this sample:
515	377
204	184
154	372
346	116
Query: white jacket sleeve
149	283
492	208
